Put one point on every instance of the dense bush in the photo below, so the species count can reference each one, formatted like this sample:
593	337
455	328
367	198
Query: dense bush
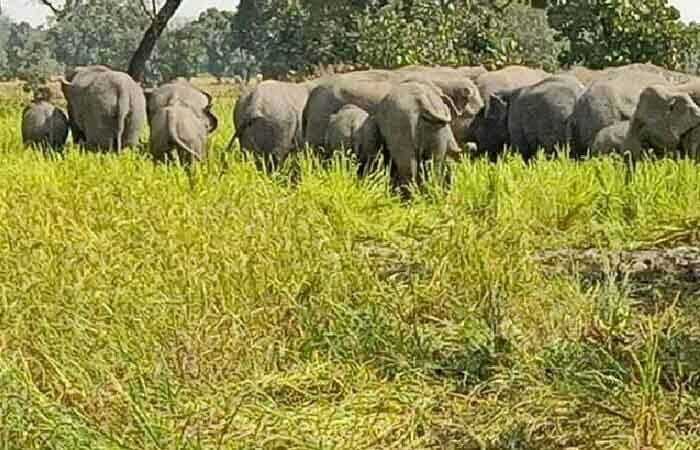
616	32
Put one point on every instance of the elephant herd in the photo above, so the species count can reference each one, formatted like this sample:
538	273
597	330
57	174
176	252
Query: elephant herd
409	116
107	111
417	114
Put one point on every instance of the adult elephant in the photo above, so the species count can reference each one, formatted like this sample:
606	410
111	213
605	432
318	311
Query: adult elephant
607	101
268	118
663	117
106	108
539	114
367	89
364	89
466	100
489	129
414	121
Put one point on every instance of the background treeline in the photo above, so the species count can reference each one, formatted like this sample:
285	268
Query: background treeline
298	38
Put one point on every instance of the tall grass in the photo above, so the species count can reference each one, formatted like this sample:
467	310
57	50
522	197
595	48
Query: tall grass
142	307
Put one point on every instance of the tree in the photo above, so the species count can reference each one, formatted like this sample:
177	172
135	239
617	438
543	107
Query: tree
179	53
28	55
450	32
153	19
616	32
213	27
159	21
98	32
5	26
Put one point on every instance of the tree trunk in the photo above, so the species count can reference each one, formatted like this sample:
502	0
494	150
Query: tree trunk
137	66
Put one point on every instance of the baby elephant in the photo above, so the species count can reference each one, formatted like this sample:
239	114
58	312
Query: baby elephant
354	129
176	127
45	125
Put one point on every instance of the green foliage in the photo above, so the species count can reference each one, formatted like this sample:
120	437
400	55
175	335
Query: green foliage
458	32
28	56
602	33
178	53
536	39
142	307
5	29
213	27
294	36
99	32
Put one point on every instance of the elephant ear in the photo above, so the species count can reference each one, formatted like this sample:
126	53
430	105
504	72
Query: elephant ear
435	109
66	87
498	107
213	121
447	100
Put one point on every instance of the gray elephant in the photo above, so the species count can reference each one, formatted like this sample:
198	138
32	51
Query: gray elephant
365	89
588	76
107	109
354	129
414	121
465	97
690	144
662	118
539	114
611	139
44	125
182	92
489	129
507	79
178	128
268	118
607	101
368	88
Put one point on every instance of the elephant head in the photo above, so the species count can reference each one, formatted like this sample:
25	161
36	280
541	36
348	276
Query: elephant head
663	116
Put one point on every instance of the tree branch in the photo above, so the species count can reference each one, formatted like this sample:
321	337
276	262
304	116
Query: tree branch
146	11
137	65
53	9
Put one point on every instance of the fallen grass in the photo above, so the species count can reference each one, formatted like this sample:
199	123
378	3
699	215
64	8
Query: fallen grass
144	308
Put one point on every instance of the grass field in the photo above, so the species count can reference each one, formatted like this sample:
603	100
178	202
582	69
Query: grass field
142	308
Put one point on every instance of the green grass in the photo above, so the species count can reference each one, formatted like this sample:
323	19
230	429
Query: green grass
143	308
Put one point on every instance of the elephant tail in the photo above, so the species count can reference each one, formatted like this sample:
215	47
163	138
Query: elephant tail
123	111
171	120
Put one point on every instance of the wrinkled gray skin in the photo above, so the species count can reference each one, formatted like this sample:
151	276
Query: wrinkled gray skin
465	96
268	118
588	76
414	121
365	89
507	79
606	102
662	118
489	129
539	115
611	139
182	92
353	128
691	144
45	125
107	109
178	128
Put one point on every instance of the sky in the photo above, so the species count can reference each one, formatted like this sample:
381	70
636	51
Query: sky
35	14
